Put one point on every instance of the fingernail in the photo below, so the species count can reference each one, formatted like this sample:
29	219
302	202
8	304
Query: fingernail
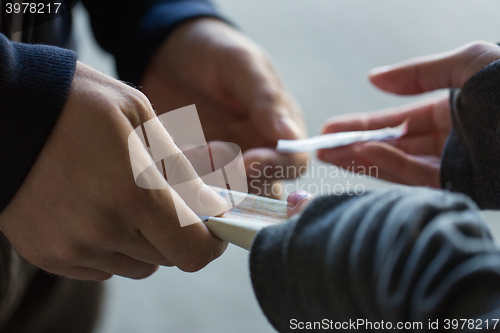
214	203
297	196
378	70
287	128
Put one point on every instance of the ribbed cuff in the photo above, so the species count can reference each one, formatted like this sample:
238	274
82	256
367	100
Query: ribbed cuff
472	152
155	27
34	84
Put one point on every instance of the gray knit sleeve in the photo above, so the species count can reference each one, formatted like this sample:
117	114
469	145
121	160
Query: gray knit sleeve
471	157
398	256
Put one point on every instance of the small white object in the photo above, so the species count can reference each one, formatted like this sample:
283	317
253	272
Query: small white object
238	232
334	140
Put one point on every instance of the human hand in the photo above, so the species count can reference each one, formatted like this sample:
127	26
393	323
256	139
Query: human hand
238	94
415	158
297	201
79	212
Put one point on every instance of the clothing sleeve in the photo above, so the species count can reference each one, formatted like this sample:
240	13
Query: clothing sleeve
131	30
404	255
34	84
471	157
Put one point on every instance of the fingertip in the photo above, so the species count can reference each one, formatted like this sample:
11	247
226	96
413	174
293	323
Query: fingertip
379	71
146	272
297	196
203	256
400	79
374	77
297	201
325	129
286	129
103	277
384	78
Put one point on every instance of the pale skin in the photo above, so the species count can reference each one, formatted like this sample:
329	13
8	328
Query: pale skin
415	158
79	212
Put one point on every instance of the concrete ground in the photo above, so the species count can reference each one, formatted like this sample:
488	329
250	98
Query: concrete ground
323	49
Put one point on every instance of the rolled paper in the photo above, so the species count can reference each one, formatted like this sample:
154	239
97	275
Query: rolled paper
240	224
334	140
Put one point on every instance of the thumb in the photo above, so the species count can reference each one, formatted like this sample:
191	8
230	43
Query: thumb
444	70
179	172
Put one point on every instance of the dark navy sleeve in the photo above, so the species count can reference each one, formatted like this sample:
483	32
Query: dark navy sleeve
132	30
398	256
34	84
471	157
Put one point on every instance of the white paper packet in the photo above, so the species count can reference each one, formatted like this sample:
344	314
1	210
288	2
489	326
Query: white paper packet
334	140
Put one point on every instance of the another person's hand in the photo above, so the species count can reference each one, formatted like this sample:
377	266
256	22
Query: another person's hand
415	158
238	94
297	201
79	212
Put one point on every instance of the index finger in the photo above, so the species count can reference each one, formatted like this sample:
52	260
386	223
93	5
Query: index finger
444	70
427	116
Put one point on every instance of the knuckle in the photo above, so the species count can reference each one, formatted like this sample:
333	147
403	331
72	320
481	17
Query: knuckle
144	272
95	236
194	266
270	98
195	262
271	95
479	47
475	56
244	56
198	260
103	236
129	199
62	255
138	107
101	277
248	57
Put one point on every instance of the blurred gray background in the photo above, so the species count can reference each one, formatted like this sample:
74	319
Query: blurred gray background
323	50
